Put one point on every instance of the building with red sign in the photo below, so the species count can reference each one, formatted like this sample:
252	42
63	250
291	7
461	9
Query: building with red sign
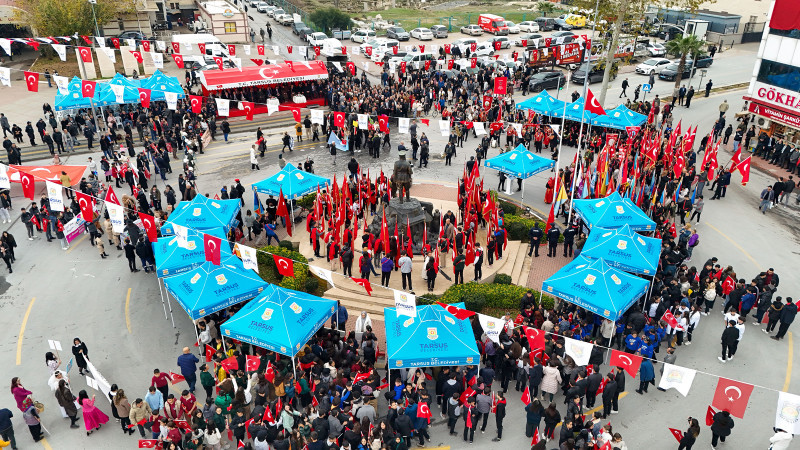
774	92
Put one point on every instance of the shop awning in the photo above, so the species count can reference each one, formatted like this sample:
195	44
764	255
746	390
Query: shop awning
263	75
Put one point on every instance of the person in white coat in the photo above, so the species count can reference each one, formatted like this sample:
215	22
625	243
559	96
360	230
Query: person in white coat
362	322
253	160
780	441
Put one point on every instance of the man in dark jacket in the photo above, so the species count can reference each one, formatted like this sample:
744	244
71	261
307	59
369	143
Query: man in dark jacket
500	414
721	428
788	314
609	392
619	378
730	338
403	426
566	432
130	253
535	374
594	381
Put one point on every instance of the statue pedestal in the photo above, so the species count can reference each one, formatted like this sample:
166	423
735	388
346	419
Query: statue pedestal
412	212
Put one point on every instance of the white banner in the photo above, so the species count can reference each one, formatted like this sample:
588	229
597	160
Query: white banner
112	55
6	45
365	66
517	128
118	90
55	196
5	183
131	44
5	76
491	326
248	255
402	125
479	128
272	106
556	129
355	50
237	62
325	274
788	412
158	59
579	351
247	50
161	46
338	66
101	41
116	214
363	121
172	100
62	83
182	234
100	382
444	127
317	116
61	49
223	106
276	50
677	377
405	304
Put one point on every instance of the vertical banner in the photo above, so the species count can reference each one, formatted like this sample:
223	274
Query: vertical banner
55	197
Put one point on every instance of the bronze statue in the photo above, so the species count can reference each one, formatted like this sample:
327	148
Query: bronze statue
401	178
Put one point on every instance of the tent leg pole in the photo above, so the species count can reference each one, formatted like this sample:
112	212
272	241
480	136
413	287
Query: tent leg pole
608	354
649	290
170	311
162	299
200	349
224	349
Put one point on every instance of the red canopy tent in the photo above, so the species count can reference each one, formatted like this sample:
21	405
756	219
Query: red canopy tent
266	75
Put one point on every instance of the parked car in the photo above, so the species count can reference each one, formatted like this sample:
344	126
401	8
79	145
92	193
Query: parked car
397	33
138	36
529	37
484	49
656	49
262	7
670	72
275	12
316	38
595	71
703	62
439	31
551	79
568	36
512	27
456	46
472	30
297	27
546	23
361	36
503	40
653	65
561	24
423	34
284	19
253	3
575	20
528	26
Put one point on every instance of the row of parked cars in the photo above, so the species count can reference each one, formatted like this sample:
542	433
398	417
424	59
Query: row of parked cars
668	69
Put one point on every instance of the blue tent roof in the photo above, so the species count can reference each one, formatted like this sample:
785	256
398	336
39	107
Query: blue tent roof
574	111
624	249
519	163
172	259
542	103
74	99
122	80
203	213
619	118
595	286
433	338
613	212
294	182
158	83
210	288
280	320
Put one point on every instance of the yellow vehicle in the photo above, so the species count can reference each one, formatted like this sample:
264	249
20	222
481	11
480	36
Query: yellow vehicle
576	20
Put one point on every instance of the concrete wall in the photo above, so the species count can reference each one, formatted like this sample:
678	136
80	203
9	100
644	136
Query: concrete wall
726	39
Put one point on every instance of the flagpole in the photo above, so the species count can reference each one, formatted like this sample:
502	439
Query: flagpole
561	138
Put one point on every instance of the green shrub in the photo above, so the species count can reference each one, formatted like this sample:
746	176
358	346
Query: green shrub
312	285
497	296
269	271
517	231
474	301
507	207
502	278
307	201
286	244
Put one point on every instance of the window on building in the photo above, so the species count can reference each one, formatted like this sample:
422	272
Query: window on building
753	19
780	75
174	6
230	27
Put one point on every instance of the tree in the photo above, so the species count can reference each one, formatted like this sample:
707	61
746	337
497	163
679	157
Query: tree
682	47
66	17
330	18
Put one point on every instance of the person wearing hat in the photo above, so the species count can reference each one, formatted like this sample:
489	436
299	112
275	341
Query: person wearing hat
552	240
780	440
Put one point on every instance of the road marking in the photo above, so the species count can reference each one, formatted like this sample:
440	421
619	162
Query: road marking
789	365
22	330
75	244
127	311
46	444
736	244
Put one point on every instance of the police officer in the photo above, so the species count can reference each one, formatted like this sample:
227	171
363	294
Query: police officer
552	240
569	240
535	235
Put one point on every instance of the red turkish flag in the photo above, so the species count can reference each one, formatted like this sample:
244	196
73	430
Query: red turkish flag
670	319
710	416
176	377
676	433
361	377
394	50
526	396
344	50
218	60
547	42
363	283
28	184
209	353
149	224
212	246
524	42
251	363
137	55
626	361
229	363
296	114
402	67
592	104
383	122
115	42
535	337
32	81
473	62
178	60
257	62
351	66
202	48
232	49
86	39
680	162
240	445
500	84
458	313
86	54
111	196
269	373
497	45
290	65
176	47
144	97
744	168
427	65
196	102
87	88
148	443
289	48
285	265
248	107
424	411
260	50
86	203
450	64
732	396
268	417
473	47
316	50
145	45
447	49
338	119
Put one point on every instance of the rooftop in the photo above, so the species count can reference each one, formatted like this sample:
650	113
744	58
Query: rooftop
219	6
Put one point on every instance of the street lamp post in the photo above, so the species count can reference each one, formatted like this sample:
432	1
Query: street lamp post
94	16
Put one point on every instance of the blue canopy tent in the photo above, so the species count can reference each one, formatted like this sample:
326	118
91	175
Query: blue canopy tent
280	320
542	103
74	99
624	249
172	259
619	118
519	163
433	338
210	288
294	182
575	112
612	211
158	83
203	213
122	80
595	286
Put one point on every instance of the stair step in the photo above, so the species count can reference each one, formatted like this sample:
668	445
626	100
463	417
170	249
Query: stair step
518	263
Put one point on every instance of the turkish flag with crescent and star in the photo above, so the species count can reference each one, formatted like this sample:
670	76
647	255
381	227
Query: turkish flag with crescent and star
248	107
28	184
144	97
676	433
148	443
526	396
732	396
229	363
424	411
296	114
87	88
137	55
111	196
86	54
176	47
218	60
209	353
145	45
363	283
115	42
744	168
212	245
338	119
251	363
626	361
459	313
535	337
149	224
710	416
383	122
592	104
232	49
86	203
285	265
260	50
176	377
178	60
196	102
290	65
32	81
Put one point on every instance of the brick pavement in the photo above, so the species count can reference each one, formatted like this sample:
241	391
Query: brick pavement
544	267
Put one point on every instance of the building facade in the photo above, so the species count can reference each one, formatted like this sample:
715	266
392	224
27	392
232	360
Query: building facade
774	91
225	20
